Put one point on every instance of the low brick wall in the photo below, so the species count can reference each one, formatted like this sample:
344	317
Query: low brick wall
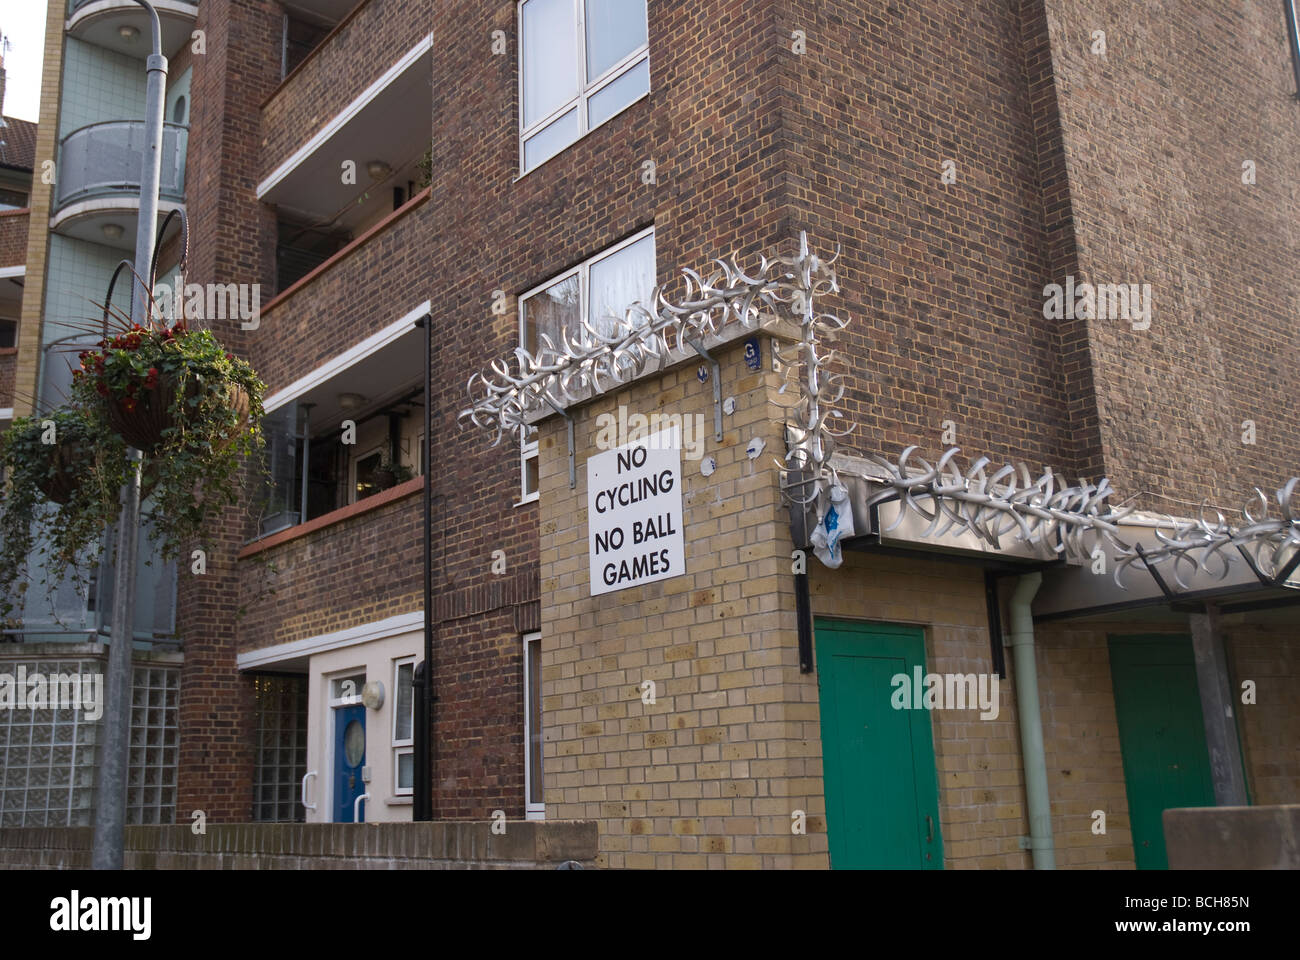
1234	838
445	845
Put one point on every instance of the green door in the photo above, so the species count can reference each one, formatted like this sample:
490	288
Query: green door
882	794
1161	736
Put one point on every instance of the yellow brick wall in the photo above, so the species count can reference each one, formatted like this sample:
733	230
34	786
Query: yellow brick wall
707	776
1270	727
980	777
29	330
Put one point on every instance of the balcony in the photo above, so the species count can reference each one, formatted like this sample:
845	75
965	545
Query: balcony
123	25
98	184
329	110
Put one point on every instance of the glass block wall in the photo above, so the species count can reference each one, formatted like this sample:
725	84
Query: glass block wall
281	731
155	741
48	756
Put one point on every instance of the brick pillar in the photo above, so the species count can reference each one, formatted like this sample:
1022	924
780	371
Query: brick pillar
231	241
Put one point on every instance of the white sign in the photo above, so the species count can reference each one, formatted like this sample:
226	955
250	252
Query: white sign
634	513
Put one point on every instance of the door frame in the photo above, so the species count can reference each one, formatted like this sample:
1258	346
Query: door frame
922	725
330	728
1132	641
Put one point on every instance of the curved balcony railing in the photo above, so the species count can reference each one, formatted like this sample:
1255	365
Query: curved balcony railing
104	159
75	5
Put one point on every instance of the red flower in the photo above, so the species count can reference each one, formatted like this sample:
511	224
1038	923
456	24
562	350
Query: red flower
230	356
128	405
103	390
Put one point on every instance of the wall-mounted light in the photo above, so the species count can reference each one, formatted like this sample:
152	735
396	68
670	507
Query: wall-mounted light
112	231
349	402
372	695
128	33
378	169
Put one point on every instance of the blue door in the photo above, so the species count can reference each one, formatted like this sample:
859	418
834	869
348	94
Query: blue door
349	758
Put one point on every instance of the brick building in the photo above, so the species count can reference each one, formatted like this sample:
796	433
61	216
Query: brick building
964	158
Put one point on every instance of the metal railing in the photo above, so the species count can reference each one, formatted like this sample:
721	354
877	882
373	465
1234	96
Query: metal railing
103	159
75	5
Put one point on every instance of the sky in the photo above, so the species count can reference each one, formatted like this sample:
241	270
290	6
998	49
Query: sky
22	23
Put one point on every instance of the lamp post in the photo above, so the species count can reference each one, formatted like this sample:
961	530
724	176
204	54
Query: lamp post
110	800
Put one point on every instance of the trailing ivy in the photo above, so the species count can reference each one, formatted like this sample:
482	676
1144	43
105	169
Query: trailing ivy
68	451
194	411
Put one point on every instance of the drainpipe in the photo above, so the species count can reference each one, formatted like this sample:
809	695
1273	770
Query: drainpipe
1021	641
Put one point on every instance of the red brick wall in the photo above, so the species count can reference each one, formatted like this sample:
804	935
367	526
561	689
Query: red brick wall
232	241
713	135
358	570
1155	134
338	71
13	237
942	281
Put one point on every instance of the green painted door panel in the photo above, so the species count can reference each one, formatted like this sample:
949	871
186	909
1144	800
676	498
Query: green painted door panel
1161	736
882	796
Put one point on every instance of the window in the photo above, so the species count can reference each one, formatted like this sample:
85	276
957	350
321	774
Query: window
8	333
403	727
533	807
599	292
364	479
346	691
581	62
12	199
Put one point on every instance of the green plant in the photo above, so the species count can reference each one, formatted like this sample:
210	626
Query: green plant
390	473
68	451
425	163
193	410
206	406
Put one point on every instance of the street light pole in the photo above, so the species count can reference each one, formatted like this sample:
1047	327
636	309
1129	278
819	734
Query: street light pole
110	799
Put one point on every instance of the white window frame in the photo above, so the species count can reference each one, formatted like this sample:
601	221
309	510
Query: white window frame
587	88
528	447
532	811
402	747
349	673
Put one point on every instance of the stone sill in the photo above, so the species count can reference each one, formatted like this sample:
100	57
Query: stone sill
402	490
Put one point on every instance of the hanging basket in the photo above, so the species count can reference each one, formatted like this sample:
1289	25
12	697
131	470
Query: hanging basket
143	426
63	477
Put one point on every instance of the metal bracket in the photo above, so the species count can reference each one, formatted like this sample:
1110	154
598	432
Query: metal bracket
573	463
1029	843
1285	573
716	377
